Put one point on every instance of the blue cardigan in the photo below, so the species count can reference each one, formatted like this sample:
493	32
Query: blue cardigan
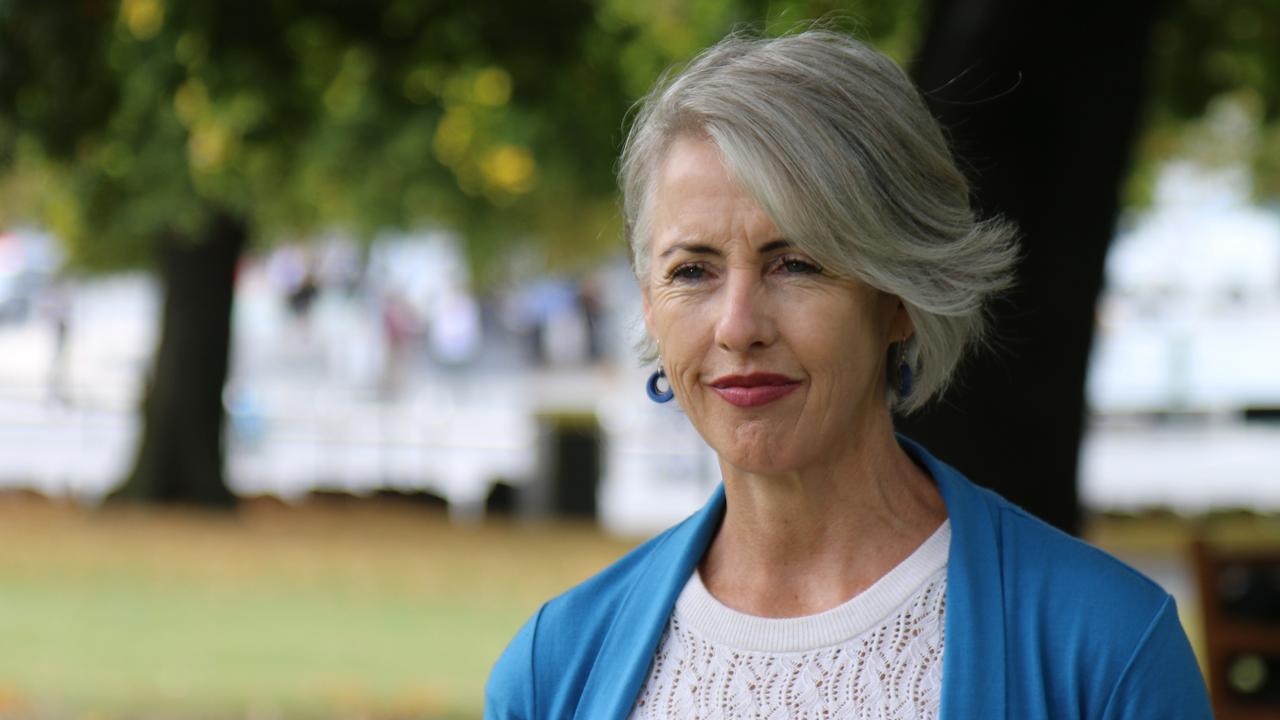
1038	625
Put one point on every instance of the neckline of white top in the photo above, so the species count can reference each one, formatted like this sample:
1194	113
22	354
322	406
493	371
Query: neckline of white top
703	613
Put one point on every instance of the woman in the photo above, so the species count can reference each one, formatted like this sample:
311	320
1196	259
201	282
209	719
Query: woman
810	264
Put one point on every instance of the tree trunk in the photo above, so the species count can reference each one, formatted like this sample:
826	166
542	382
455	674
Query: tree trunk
180	456
1042	101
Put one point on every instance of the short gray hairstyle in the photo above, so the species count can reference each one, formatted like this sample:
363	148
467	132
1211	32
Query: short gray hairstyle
833	141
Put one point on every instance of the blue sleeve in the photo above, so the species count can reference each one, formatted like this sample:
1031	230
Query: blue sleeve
1162	679
510	693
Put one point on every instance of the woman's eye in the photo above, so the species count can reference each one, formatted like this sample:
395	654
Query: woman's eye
688	272
796	265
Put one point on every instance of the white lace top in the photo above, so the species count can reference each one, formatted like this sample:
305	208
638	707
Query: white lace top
878	655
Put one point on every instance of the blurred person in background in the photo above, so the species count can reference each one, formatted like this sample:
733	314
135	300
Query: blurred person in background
454	331
810	265
400	330
55	307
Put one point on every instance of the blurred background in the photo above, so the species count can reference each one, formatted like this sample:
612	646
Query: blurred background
316	327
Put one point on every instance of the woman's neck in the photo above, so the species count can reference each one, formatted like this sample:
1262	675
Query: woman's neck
799	543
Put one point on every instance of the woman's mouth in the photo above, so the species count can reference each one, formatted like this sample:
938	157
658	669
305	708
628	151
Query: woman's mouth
753	390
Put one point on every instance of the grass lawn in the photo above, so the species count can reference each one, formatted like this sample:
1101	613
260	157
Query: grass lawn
326	610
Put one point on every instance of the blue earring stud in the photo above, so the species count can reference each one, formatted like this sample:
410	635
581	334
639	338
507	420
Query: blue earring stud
655	393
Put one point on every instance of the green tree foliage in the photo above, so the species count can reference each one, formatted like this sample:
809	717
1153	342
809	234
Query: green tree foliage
1215	74
146	117
501	119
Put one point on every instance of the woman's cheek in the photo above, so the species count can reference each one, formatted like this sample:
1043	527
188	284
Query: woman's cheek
689	374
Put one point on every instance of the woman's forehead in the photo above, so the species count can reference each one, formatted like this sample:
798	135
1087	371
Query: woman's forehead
697	201
693	167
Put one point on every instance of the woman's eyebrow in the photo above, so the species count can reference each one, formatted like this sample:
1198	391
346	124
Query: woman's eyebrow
695	248
700	249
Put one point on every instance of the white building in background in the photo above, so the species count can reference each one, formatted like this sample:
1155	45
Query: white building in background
1190	318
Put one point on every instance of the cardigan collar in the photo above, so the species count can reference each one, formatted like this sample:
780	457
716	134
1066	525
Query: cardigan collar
973	678
973	658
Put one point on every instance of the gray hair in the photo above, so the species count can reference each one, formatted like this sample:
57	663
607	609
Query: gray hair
833	141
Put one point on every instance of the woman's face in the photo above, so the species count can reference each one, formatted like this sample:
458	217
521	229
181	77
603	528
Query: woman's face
777	362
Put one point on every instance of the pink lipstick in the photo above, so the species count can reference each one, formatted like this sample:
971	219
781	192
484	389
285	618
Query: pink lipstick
755	389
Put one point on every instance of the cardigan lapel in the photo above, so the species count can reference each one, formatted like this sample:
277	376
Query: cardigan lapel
973	661
627	649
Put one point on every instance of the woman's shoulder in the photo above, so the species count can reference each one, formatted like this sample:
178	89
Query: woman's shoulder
1039	559
601	593
552	656
1109	638
580	609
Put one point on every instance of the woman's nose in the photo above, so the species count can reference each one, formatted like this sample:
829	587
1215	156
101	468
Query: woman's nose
745	321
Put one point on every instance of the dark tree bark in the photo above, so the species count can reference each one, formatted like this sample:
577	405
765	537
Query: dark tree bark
1042	101
180	455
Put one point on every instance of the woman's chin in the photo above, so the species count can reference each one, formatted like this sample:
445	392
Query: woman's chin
758	461
756	447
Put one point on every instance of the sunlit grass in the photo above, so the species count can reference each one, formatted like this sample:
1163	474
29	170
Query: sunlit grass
330	610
